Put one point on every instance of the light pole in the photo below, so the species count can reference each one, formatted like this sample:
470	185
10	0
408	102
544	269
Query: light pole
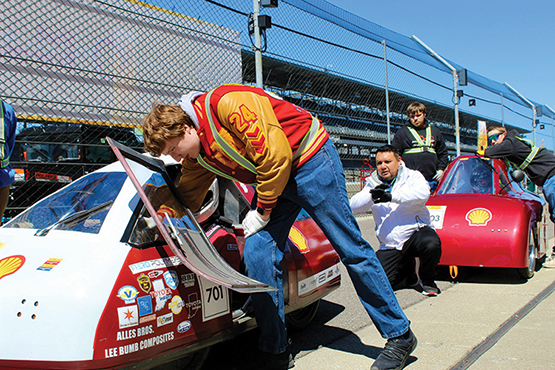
455	88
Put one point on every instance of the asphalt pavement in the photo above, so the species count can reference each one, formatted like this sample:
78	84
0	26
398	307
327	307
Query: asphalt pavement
490	319
486	319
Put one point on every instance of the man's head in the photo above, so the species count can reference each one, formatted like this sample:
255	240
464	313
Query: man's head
496	134
417	114
481	179
168	130
387	162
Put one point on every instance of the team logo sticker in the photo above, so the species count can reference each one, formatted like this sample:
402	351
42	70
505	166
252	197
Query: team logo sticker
144	283
128	316
10	265
128	293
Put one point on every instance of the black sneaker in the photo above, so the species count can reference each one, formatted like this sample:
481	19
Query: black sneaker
396	352
430	289
280	361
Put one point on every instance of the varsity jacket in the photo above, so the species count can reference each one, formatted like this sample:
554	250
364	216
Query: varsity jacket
516	151
398	219
426	161
248	135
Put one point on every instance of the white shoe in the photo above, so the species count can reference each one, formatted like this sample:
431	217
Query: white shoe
549	264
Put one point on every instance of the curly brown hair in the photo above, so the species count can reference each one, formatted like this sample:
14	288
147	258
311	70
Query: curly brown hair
163	123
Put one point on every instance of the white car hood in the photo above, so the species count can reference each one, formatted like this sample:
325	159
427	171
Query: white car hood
52	302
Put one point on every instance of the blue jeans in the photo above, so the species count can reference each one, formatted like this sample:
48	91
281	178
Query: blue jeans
548	189
318	187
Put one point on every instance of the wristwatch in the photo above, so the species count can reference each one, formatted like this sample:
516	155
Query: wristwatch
263	211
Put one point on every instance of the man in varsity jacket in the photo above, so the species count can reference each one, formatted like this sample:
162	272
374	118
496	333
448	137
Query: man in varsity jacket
252	136
421	145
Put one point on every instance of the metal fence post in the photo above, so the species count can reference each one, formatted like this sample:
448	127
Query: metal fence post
386	93
257	45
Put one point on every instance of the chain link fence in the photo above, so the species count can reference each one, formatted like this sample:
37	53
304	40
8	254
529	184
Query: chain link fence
78	71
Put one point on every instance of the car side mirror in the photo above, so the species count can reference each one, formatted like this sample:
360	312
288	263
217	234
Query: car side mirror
517	175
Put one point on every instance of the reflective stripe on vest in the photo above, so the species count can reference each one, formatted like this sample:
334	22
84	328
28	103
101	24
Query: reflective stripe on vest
422	146
534	150
306	143
3	162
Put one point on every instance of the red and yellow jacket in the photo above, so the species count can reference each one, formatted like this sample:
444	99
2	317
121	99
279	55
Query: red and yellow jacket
272	135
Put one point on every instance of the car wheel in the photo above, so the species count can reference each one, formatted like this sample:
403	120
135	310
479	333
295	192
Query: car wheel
298	320
528	272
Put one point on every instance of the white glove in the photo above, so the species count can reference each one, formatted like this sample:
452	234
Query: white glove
439	175
253	223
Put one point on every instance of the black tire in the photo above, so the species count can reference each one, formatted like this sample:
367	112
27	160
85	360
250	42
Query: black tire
300	319
528	272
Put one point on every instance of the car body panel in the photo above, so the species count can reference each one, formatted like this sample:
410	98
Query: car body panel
103	302
489	229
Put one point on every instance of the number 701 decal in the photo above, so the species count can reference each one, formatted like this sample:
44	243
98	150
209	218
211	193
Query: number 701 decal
215	299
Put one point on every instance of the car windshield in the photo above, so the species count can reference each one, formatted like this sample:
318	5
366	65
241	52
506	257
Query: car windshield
469	175
89	198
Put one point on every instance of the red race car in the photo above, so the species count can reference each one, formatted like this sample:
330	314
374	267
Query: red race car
484	219
92	277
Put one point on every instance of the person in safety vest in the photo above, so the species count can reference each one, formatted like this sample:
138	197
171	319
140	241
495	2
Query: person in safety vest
421	145
537	163
8	125
253	136
397	196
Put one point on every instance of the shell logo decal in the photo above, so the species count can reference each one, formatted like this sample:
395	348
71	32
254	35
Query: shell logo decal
11	264
299	240
478	217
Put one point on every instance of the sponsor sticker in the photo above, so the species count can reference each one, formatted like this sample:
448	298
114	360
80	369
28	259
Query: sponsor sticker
183	326
10	265
155	264
145	305
313	282
128	293
193	304
299	240
188	280
478	217
128	316
176	305
50	264
164	319
144	283
155	273
160	293
147	318
170	277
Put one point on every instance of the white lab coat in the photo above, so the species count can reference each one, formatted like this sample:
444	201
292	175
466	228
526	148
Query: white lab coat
397	220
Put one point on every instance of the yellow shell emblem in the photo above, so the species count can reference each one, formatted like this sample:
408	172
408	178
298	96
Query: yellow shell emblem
298	239
478	217
11	264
